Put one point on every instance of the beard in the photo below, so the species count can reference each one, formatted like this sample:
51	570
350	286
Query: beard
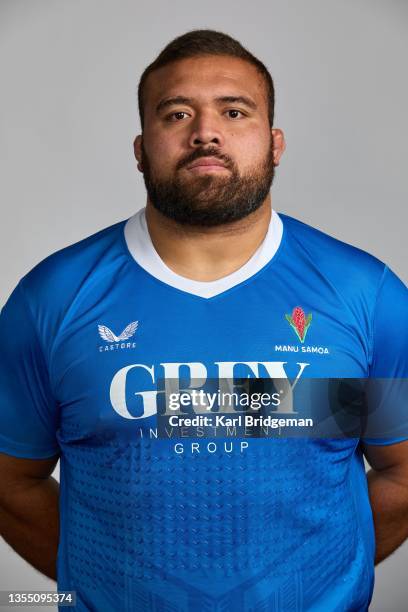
209	200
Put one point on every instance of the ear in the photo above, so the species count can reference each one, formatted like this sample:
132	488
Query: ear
279	145
137	147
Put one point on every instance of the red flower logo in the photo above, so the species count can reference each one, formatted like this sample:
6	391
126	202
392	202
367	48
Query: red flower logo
299	322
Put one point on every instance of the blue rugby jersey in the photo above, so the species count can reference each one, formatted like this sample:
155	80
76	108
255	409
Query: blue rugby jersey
198	525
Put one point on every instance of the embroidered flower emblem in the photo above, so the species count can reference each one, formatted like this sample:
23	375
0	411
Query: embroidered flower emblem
299	322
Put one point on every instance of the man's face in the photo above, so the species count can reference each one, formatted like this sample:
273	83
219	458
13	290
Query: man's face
207	146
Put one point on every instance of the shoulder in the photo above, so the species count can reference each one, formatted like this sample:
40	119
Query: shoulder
343	264
67	269
57	289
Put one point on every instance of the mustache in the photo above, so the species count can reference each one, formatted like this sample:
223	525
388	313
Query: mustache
198	153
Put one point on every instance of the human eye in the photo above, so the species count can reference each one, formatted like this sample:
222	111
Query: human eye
176	116
232	112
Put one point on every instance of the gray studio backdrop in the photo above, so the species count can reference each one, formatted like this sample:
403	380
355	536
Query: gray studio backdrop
69	115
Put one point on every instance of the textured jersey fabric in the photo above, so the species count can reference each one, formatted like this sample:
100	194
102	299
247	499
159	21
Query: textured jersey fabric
225	525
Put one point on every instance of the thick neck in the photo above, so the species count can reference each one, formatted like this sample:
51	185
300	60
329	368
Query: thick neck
207	254
141	249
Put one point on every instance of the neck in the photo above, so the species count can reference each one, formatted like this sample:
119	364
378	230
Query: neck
207	253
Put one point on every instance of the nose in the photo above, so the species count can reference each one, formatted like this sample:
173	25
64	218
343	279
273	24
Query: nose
205	129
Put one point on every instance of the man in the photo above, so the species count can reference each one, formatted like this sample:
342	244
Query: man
207	282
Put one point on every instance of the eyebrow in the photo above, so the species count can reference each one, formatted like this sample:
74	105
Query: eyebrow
167	102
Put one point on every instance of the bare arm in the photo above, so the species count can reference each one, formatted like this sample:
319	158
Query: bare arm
388	490
29	516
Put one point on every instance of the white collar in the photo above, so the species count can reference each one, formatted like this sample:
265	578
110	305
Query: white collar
141	248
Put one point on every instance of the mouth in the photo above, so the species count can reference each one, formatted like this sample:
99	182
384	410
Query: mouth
207	164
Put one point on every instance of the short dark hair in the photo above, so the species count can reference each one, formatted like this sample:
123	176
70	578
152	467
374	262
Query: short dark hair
198	43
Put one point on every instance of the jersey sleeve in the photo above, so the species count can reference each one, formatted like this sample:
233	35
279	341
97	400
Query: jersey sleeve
389	356
28	411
